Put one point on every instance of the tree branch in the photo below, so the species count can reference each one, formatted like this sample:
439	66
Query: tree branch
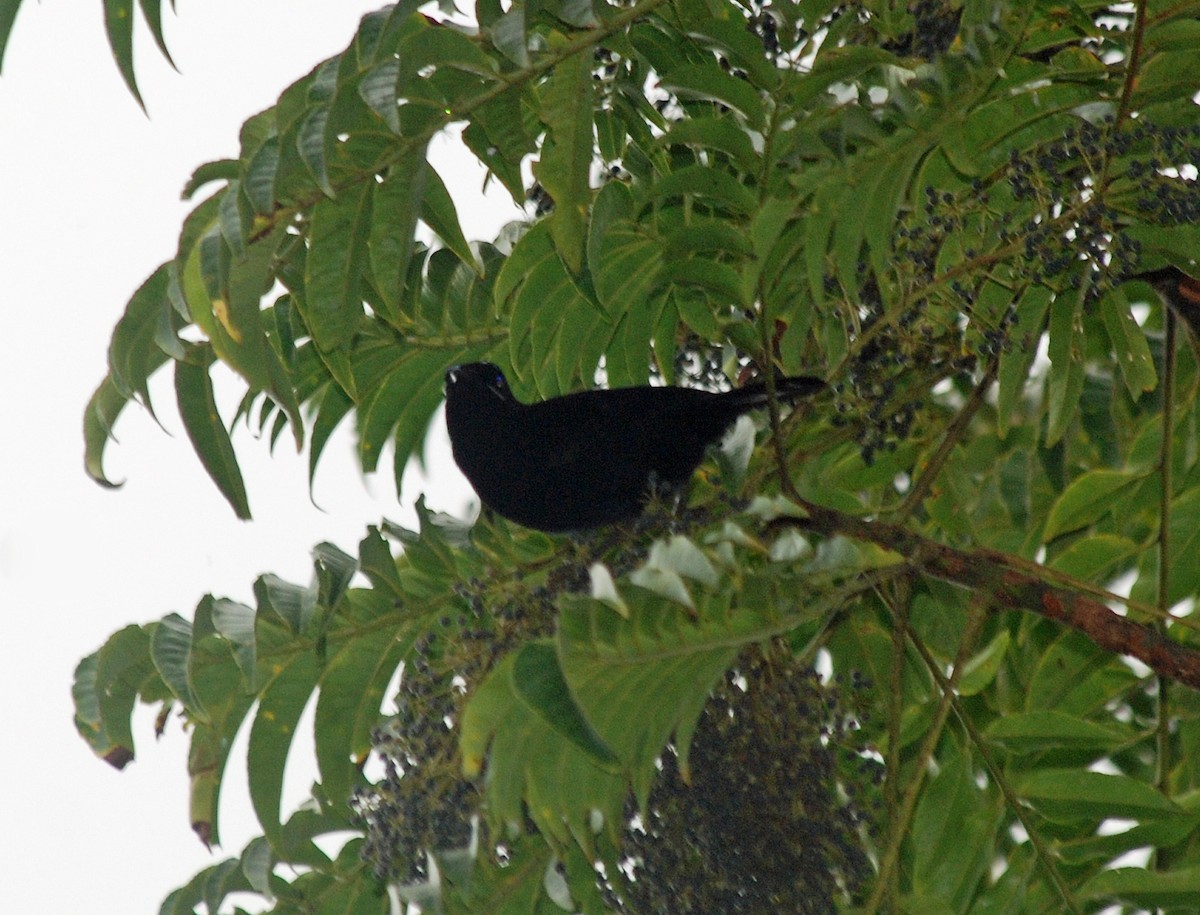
1013	586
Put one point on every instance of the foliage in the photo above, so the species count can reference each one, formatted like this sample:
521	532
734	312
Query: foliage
918	197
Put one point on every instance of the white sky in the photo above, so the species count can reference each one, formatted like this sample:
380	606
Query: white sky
89	206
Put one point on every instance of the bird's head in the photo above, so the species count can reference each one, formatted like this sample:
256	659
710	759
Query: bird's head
474	380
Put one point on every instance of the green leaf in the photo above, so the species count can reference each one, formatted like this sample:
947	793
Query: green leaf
259	180
378	90
280	703
1155	834
171	651
152	10
508	35
1095	558
133	354
332	408
1035	732
107	684
352	687
378	564
1088	498
198	410
707	183
1173	889
8	14
207	756
310	144
624	261
532	769
739	43
612	664
394	209
538	681
98	420
1129	343
239	335
442	47
953	834
1072	675
715	133
401	405
722	282
1066	368
335	570
545	303
1016	361
332	308
1063	795
293	604
500	138
708	82
438	212
981	669
1169	76
565	165
118	23
1184	580
235	622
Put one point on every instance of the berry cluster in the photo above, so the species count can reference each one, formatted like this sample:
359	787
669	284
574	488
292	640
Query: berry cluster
424	803
1054	216
880	393
779	801
934	28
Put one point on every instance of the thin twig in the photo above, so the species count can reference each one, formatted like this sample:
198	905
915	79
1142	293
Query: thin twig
1162	728
954	432
1044	854
900	821
1135	61
891	787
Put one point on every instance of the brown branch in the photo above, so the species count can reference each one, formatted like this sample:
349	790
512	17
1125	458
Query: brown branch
1011	586
1135	62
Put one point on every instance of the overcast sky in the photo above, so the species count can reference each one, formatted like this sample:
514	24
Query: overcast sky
89	206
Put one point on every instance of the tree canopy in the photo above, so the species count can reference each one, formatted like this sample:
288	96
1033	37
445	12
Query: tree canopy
929	647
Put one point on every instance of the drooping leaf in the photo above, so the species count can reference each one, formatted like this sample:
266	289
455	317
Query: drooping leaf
118	23
171	649
539	682
8	15
98	420
198	409
1129	343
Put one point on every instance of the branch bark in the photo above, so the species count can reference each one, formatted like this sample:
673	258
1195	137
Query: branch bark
1012	586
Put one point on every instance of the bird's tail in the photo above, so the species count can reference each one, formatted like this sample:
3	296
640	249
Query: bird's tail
786	390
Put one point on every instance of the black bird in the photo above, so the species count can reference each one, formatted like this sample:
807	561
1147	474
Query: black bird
592	457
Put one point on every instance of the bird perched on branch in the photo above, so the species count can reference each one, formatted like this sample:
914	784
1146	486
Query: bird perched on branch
592	457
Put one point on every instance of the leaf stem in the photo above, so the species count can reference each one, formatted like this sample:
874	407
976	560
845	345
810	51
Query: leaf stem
901	818
1162	728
